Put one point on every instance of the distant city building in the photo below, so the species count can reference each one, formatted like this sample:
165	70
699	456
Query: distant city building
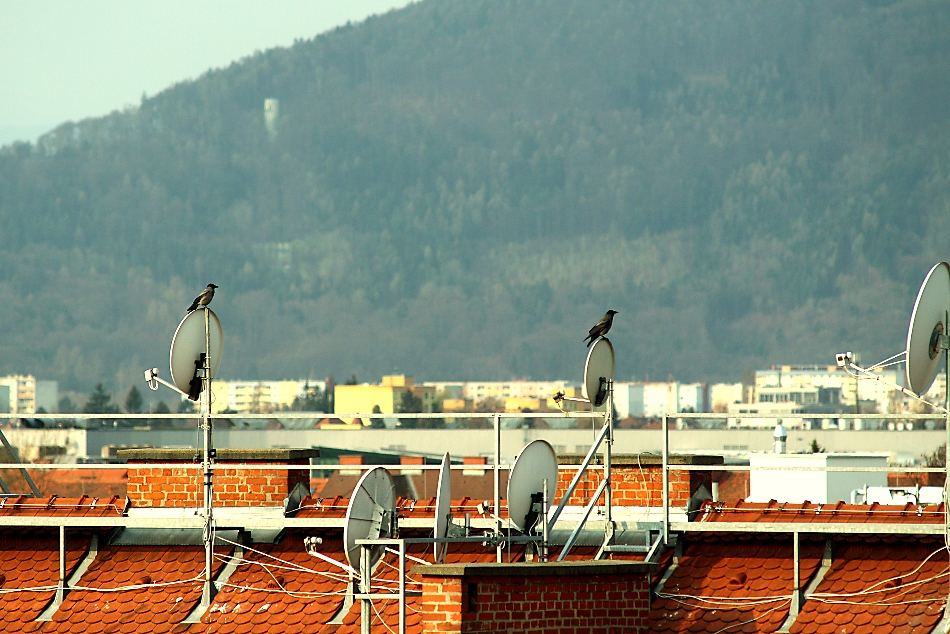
476	391
722	395
655	399
815	386
258	397
384	398
24	394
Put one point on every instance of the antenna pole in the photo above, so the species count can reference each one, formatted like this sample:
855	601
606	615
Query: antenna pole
366	587
608	445
545	537
207	465
497	509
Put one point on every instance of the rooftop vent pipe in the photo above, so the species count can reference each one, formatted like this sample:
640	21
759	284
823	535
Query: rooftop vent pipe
781	436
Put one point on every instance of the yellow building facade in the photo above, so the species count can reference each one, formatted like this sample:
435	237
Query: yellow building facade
362	399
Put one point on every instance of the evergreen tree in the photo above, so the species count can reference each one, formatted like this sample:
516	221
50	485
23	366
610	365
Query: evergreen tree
100	402
133	401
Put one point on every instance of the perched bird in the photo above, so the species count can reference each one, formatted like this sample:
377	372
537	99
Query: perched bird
205	297
601	327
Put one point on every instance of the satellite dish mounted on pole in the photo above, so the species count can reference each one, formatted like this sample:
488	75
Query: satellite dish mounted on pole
194	359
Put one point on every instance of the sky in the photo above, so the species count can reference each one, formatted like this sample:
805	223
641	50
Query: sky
68	60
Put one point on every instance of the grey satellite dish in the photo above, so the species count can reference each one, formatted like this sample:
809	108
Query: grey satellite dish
188	345
598	373
369	514
535	463
927	324
443	507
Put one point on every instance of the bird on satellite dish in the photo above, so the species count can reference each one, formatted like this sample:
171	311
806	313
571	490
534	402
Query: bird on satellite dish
601	327
205	297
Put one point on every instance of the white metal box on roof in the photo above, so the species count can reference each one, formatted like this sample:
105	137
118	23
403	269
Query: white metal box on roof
803	477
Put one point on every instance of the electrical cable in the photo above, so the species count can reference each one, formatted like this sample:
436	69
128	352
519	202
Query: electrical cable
380	616
721	601
828	511
870	589
298	595
753	620
289	563
51	588
889	361
291	567
139	586
408	556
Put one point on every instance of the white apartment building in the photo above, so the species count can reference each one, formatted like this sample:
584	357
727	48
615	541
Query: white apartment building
476	391
825	385
654	399
24	394
258	397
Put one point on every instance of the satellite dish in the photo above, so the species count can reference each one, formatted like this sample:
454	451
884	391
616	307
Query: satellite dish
188	345
369	514
598	373
536	463
927	323
443	502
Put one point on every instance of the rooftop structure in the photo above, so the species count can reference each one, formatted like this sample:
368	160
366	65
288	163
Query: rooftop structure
114	564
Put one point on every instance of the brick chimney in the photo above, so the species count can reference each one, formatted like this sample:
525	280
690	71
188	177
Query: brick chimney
174	487
567	596
637	479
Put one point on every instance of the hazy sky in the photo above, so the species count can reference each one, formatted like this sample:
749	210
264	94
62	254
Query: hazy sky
68	60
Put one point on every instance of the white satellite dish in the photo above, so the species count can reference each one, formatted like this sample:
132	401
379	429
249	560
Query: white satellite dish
598	373
535	463
188	345
369	514
443	508
927	324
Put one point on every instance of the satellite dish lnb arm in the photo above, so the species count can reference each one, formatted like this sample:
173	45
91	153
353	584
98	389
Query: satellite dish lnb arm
152	379
845	362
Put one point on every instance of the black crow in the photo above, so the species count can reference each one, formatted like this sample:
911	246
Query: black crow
601	327
205	297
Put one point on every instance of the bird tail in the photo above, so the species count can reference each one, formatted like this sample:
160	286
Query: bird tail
194	306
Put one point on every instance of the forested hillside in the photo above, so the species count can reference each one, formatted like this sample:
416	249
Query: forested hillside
459	189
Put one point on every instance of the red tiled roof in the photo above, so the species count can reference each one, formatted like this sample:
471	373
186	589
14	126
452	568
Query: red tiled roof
84	506
879	587
279	588
31	560
133	588
77	482
839	512
723	584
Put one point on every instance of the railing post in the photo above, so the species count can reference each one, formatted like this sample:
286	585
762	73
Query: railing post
402	586
666	482
61	588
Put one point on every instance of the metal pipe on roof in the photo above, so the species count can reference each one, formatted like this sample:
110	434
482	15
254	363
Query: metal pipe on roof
402	587
666	482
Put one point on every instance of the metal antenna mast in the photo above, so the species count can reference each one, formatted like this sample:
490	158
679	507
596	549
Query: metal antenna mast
207	462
